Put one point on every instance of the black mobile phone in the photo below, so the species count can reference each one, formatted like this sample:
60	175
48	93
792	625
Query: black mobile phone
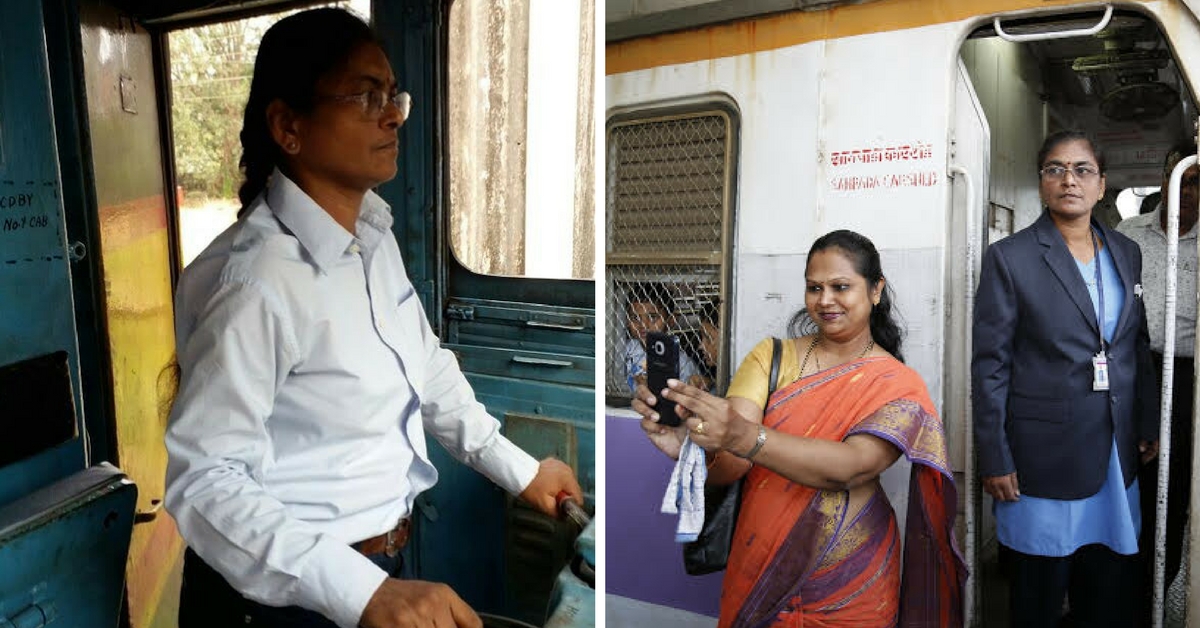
662	363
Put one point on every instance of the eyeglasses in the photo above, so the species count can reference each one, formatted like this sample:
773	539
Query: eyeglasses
1081	172
373	101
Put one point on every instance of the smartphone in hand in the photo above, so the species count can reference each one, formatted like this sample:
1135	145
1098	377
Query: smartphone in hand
662	363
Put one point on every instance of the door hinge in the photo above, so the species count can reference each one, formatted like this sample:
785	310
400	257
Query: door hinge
460	312
33	616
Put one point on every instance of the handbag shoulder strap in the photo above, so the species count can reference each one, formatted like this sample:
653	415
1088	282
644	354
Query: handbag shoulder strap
776	354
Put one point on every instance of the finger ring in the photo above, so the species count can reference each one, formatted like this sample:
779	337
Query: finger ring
699	428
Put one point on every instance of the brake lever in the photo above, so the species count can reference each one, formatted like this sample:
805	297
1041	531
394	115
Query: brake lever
573	511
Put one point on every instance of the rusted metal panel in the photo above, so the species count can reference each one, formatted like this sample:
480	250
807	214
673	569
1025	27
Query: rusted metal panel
136	267
488	49
521	138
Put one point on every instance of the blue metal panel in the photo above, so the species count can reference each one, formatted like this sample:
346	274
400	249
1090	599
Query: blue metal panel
463	520
574	604
70	541
410	33
532	359
82	220
460	533
36	313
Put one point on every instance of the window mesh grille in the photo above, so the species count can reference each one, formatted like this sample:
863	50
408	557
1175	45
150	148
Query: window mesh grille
667	189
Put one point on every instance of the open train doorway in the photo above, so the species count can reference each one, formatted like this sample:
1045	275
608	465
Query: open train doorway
1111	73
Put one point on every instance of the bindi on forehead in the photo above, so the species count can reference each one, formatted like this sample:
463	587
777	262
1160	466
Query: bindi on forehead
1073	152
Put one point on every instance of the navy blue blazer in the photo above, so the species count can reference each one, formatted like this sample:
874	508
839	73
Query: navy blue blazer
1034	336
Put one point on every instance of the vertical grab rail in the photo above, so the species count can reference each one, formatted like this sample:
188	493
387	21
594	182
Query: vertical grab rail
968	419
1168	386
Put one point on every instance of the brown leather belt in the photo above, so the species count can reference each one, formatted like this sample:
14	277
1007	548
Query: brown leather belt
390	542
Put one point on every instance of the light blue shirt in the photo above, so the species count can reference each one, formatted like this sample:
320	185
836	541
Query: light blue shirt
309	376
635	363
1112	517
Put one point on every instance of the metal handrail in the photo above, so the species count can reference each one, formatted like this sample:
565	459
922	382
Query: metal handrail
969	427
1168	387
1017	39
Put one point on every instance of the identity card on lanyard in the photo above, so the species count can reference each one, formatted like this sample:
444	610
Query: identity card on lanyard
1100	360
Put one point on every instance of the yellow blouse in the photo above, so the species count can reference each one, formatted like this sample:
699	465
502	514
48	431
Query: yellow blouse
750	380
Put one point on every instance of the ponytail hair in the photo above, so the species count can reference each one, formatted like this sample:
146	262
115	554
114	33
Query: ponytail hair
294	55
885	329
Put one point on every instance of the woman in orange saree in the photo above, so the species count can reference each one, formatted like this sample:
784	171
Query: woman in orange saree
816	543
805	557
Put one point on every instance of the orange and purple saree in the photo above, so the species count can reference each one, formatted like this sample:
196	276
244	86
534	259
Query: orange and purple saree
801	559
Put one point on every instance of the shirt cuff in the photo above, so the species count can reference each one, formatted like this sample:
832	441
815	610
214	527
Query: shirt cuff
338	582
507	465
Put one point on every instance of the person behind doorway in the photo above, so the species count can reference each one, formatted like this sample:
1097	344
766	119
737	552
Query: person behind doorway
645	312
1149	231
308	373
1065	398
816	539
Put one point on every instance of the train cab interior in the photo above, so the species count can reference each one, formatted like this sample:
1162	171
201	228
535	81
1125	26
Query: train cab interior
118	163
1111	72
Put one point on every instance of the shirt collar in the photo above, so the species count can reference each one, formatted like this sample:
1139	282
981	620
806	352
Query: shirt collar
317	231
1156	222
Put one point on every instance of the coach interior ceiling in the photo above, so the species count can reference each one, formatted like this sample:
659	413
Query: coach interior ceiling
1123	84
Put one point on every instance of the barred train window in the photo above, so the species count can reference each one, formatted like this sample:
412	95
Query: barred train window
669	195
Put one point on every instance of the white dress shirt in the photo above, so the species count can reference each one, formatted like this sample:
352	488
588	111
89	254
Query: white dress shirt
306	361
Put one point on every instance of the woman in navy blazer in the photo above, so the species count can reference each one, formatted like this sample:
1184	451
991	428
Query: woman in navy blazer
1064	414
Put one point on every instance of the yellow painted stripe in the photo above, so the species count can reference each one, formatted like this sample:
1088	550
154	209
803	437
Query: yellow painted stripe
799	27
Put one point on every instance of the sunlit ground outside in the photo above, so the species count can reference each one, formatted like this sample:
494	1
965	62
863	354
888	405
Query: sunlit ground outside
200	223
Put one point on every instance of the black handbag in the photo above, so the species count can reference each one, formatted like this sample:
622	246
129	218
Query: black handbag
710	551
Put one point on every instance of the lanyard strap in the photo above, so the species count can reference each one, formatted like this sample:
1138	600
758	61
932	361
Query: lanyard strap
1099	286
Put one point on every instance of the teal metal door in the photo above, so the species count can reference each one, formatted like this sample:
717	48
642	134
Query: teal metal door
64	529
38	400
527	346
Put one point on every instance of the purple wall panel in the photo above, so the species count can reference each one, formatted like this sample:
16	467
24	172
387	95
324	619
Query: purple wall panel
642	560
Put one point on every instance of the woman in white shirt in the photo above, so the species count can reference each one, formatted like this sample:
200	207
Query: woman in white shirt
308	372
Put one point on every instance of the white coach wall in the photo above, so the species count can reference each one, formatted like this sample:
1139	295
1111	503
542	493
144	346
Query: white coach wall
804	112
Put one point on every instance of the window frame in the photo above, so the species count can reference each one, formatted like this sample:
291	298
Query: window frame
716	104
